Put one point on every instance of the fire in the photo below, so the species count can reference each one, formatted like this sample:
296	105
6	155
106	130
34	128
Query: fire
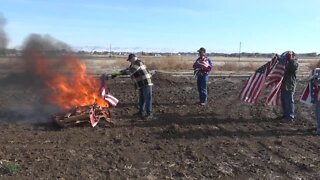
70	84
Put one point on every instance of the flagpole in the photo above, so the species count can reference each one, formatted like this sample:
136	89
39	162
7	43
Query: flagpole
239	51
110	51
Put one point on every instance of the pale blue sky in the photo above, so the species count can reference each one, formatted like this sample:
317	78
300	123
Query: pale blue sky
179	25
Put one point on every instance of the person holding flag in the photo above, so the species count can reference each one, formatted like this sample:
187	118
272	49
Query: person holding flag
202	66
280	73
142	81
289	85
311	95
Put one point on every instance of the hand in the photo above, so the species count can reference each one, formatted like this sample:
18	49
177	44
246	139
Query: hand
123	71
113	76
104	76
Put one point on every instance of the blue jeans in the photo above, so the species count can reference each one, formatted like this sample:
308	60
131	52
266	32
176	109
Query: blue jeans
287	103
202	81
318	115
145	100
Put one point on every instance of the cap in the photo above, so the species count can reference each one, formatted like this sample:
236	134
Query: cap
202	49
131	56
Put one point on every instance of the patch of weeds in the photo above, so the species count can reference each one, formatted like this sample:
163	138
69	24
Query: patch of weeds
8	168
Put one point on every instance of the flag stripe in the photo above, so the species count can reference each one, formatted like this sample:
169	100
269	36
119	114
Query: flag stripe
255	88
259	89
256	82
246	87
112	100
249	96
251	87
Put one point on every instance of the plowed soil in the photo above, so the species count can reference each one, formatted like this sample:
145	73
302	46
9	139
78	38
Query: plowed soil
225	139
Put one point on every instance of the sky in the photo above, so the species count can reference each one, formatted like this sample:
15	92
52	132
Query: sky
271	26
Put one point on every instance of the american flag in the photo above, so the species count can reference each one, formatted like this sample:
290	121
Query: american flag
256	82
104	92
310	93
275	79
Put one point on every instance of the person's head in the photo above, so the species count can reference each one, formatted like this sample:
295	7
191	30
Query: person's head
202	52
132	58
291	55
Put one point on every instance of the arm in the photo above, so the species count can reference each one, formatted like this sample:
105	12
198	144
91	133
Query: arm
210	65
118	73
196	65
124	71
136	66
293	65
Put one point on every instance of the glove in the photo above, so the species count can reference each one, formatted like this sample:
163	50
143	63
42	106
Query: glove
124	72
113	76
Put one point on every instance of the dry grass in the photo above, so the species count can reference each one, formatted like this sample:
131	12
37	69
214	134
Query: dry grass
169	63
177	63
314	64
156	63
237	66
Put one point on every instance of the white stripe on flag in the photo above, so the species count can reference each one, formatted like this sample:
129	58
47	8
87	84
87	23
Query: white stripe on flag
111	99
306	96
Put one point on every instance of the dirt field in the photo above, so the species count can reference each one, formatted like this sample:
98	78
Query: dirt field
225	139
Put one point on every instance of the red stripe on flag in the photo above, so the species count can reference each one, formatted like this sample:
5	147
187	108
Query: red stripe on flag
255	89
306	93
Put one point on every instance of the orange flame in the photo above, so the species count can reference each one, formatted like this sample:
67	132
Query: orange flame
71	85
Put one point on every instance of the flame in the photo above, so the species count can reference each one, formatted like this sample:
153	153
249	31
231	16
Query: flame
70	84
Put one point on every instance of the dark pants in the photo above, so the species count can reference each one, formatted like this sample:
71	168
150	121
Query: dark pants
287	103
145	100
202	81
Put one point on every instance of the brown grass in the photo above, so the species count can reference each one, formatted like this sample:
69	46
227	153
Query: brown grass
178	63
169	63
184	63
314	64
236	66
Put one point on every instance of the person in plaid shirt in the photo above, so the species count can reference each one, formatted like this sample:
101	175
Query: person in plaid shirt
142	81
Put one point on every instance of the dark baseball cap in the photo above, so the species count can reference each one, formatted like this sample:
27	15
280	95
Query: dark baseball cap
202	49
131	56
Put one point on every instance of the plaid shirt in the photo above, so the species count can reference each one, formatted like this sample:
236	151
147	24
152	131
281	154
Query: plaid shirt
139	74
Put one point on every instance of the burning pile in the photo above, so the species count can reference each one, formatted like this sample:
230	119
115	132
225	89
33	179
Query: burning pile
81	114
72	90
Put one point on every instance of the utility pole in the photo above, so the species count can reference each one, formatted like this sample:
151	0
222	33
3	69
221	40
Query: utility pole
110	51
239	51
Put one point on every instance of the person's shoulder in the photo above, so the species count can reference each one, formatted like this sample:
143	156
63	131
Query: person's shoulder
208	58
138	62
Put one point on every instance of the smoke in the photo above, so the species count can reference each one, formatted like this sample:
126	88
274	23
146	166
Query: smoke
3	36
24	95
44	43
40	52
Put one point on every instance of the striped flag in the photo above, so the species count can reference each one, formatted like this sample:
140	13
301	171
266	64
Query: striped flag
93	118
105	93
275	79
111	99
310	93
256	82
